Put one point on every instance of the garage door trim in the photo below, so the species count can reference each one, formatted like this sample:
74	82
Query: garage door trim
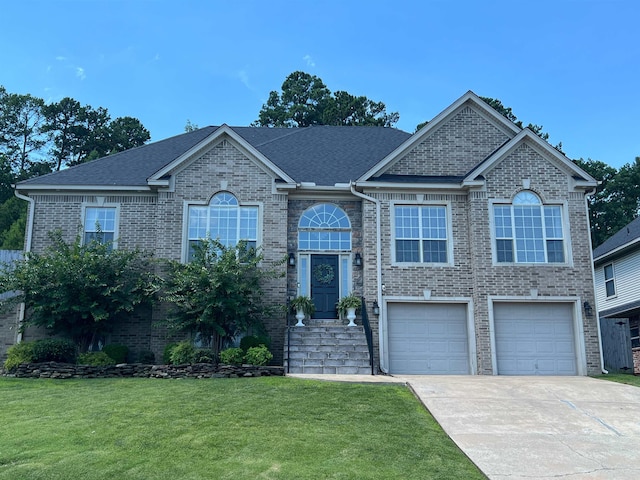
578	326
471	332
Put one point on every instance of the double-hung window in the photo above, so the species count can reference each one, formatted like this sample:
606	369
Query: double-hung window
421	234
609	280
527	231
99	224
225	220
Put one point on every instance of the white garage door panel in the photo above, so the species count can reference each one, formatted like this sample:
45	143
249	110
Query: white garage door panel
535	339
428	338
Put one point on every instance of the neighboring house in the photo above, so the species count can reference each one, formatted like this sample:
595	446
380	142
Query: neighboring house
617	276
468	239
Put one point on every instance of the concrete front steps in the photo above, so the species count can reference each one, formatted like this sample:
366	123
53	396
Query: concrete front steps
321	347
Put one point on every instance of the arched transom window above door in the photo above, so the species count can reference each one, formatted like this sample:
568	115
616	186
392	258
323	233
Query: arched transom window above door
324	227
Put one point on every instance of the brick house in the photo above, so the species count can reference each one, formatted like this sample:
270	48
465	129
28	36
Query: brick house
617	270
469	239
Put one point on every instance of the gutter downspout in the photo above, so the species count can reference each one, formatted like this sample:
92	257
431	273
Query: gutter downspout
375	201
593	279
27	248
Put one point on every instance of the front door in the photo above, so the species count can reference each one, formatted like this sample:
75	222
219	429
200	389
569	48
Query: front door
325	280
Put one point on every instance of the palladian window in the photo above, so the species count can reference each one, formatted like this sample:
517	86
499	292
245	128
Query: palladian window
225	220
526	231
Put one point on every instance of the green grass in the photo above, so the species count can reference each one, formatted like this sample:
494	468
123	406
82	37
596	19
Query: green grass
263	428
621	378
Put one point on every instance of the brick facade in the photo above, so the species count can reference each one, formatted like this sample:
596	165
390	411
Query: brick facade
462	141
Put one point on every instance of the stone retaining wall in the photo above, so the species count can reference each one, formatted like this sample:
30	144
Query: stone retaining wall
198	370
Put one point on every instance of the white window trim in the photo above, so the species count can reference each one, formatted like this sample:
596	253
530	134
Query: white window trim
184	254
566	235
431	203
116	227
612	279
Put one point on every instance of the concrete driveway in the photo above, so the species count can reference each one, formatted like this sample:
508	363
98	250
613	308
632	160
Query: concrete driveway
538	427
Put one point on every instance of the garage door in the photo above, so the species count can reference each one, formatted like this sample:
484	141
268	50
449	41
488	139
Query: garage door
535	339
428	339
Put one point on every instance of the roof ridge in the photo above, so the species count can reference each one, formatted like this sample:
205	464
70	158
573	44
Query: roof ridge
294	131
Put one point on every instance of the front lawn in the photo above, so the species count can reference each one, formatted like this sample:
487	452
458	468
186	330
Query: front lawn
621	378
269	428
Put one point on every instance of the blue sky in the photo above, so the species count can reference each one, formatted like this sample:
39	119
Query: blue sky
571	66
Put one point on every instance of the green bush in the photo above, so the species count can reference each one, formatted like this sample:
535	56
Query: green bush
166	354
258	355
17	354
254	341
54	350
147	357
232	356
184	352
204	355
96	359
117	352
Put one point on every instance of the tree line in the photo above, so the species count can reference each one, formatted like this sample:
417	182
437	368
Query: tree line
38	138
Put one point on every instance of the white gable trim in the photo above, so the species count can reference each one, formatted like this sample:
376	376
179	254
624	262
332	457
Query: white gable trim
542	147
156	178
470	98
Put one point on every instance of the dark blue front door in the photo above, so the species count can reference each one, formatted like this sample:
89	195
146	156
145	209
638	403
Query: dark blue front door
325	278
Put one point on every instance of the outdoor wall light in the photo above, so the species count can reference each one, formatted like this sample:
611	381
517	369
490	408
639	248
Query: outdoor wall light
357	260
292	259
588	311
376	308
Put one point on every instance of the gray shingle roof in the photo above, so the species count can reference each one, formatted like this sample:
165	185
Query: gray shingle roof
625	235
322	154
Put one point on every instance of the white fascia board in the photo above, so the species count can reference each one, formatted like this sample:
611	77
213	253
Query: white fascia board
615	251
503	123
211	139
85	188
373	186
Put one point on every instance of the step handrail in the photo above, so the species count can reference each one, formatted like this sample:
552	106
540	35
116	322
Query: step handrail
368	333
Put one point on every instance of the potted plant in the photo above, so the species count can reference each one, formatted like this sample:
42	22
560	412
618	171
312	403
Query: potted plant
347	306
303	307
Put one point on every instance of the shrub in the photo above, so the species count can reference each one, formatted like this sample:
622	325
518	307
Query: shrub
147	357
55	350
232	356
254	341
183	352
17	354
204	355
117	352
166	354
258	355
96	359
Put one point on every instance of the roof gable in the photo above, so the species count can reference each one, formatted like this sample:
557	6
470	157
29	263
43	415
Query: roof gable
470	101
581	178
157	178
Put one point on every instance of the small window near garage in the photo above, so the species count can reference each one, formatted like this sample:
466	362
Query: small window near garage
609	280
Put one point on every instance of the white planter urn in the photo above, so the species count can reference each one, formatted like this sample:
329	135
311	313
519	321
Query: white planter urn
351	316
300	317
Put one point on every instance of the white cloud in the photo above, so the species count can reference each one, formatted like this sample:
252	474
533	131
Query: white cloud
309	60
61	58
243	76
80	73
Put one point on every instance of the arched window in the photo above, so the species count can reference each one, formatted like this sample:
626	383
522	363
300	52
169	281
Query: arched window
527	231
223	219
324	227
